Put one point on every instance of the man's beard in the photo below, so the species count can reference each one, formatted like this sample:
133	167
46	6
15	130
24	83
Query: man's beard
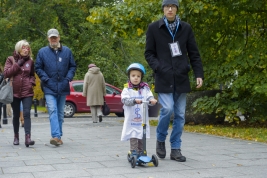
54	45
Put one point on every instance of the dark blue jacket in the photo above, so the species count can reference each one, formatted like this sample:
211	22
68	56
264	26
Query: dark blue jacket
55	69
171	73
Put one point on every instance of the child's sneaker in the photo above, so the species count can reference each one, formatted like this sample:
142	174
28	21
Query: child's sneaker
133	153
141	153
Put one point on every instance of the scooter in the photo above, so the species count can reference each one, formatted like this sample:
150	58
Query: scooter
142	158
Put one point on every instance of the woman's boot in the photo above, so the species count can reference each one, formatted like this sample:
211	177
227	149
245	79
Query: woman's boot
28	140
16	139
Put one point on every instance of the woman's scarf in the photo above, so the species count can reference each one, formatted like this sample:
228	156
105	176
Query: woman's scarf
17	56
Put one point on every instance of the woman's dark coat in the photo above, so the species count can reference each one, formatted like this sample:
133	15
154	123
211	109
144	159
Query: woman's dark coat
23	76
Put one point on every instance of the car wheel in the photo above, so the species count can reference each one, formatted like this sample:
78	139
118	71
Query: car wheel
69	109
120	114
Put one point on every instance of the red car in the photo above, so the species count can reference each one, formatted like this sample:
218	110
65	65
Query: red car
76	103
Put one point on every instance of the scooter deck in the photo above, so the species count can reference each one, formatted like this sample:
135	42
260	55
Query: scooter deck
144	159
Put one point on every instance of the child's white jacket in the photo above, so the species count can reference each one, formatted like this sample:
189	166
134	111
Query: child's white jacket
133	113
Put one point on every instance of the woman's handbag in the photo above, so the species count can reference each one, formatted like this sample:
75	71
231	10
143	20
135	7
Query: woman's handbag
6	90
105	108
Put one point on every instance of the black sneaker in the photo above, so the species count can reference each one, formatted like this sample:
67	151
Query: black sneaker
177	155
160	149
100	118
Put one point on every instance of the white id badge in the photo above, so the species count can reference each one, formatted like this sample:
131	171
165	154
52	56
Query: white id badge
175	49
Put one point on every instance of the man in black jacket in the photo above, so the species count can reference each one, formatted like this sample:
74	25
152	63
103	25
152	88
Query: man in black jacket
171	51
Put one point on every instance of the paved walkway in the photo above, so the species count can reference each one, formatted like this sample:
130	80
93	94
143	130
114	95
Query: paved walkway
95	151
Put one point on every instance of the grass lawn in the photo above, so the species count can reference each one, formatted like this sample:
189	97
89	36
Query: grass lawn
41	109
240	131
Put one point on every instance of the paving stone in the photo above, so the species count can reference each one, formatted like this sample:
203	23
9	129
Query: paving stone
95	151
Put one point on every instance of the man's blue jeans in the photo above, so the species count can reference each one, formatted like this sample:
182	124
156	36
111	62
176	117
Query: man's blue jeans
55	105
171	103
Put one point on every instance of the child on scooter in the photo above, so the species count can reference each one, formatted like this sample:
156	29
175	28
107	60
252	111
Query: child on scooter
132	95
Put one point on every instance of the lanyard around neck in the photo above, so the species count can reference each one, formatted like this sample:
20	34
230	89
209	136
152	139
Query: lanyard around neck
167	24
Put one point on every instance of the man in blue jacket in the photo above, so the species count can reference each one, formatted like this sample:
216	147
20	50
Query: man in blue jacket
56	67
170	51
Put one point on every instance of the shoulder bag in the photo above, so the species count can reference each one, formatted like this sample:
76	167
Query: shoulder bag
6	90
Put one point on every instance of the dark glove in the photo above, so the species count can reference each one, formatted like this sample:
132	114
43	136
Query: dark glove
21	62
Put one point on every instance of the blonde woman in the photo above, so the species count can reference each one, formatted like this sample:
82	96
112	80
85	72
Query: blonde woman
20	68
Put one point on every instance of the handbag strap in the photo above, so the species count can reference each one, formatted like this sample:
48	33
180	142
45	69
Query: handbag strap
12	59
11	79
11	82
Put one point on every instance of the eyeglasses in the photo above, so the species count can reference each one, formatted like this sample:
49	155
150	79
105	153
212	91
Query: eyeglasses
26	47
172	6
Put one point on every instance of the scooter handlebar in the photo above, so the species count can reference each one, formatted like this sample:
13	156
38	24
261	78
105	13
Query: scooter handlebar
147	102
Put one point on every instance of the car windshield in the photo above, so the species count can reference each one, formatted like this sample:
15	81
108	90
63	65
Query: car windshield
78	87
110	90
